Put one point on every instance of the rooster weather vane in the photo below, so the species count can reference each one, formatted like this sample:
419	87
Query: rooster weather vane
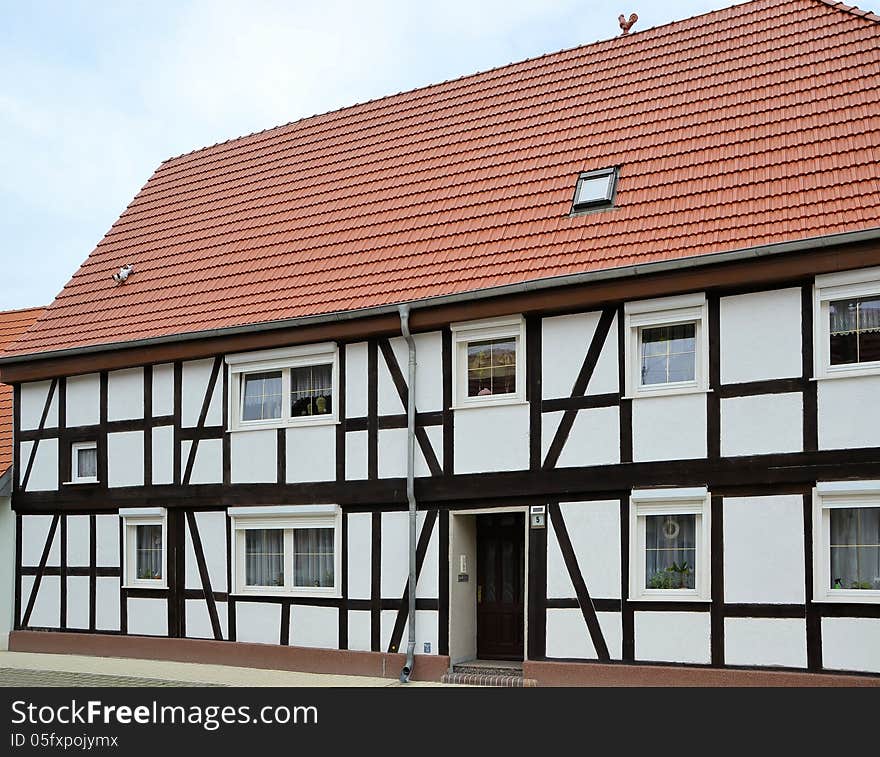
627	25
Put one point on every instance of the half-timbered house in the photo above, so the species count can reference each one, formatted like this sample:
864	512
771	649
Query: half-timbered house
622	305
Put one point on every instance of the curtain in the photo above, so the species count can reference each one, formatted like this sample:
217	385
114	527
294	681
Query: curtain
855	330
670	551
87	463
491	367
855	548
262	396
264	557
311	390
148	552
313	557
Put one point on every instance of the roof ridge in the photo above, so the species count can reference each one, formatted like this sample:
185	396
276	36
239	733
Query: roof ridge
463	77
853	10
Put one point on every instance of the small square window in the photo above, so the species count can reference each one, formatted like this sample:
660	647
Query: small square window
666	351
669	544
84	462
144	546
846	541
261	396
595	189
488	362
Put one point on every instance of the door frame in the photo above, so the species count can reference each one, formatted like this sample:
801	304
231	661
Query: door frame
453	570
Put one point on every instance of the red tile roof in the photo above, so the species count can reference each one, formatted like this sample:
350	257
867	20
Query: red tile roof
751	125
13	323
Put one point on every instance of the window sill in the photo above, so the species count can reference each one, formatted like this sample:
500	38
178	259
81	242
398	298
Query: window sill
286	424
872	369
146	585
672	595
299	593
90	482
493	402
681	391
863	596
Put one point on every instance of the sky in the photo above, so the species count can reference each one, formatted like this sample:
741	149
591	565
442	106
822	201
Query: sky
95	94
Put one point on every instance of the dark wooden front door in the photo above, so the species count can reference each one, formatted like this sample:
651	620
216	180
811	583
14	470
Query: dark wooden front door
500	586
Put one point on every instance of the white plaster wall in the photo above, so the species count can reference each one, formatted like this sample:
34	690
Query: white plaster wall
429	374
764	549
47	606
147	616
163	454
761	336
669	428
107	600
565	341
849	413
253	456
462	594
196	375
78	541
34	530
569	637
851	644
392	452
78	601
125	394
594	438
389	399
762	424
765	641
395	555
208	465
163	389
314	627
33	400
426	630
428	584
360	534
359	630
83	400
673	637
212	532
125	459
198	620
311	454
107	537
356	443
356	380
258	621
44	472
492	439
7	570
594	531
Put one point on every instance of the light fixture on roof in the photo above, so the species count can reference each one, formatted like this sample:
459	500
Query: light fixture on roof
123	273
595	189
627	25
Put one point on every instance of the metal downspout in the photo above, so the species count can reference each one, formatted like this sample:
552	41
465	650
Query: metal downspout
410	491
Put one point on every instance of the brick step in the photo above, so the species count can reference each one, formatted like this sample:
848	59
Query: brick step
482	678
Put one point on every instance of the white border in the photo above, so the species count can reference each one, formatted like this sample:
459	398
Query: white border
75	478
142	516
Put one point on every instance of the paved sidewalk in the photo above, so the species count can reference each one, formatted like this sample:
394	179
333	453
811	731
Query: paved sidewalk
31	669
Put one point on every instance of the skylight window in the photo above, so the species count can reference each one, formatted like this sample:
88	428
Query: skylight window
595	189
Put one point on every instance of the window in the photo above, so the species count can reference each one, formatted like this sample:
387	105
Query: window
84	462
144	545
846	541
595	189
489	362
666	349
847	324
669	544
287	550
276	388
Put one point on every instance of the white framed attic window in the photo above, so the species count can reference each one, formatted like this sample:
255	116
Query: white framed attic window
287	550
666	346
144	543
594	190
295	386
669	544
846	541
488	362
84	462
846	322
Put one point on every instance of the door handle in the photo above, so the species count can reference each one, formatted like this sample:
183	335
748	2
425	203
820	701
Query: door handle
479	595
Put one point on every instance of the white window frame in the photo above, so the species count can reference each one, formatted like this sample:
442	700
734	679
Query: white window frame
691	501
286	518
131	519
281	360
667	311
828	288
828	496
75	448
479	331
